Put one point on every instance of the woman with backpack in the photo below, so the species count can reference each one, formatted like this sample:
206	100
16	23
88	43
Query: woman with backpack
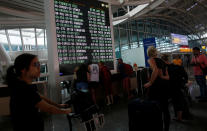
158	84
178	79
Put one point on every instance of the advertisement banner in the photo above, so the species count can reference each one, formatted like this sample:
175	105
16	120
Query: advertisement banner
148	42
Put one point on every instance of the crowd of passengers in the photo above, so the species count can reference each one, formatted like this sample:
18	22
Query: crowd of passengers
167	81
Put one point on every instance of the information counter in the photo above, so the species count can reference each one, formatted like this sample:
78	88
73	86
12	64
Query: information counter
117	89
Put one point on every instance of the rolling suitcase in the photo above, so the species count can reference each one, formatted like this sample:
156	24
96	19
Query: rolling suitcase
144	115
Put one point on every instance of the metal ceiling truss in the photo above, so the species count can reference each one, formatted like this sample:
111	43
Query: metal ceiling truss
201	4
166	19
148	8
21	14
179	13
191	30
191	18
36	5
170	21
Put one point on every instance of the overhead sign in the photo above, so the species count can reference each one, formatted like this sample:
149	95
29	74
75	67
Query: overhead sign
179	39
83	33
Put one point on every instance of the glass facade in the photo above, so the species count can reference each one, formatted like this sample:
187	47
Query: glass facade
25	39
4	40
130	35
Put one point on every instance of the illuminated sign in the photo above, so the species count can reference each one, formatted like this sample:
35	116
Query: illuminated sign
179	39
83	33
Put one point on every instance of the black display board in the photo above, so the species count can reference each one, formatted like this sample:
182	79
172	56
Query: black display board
83	33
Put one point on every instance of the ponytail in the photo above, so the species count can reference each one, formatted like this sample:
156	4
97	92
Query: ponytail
11	75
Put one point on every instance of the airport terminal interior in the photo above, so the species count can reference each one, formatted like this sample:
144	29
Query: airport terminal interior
67	34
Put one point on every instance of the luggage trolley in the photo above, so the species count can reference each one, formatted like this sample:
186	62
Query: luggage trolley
86	116
93	124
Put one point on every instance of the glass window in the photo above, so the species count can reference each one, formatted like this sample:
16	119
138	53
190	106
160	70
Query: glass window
140	26
123	37
15	39
175	30
40	38
28	35
166	30
117	51
117	48
141	44
133	37
15	47
116	35
123	26
155	28
147	35
125	47
118	54
3	39
141	37
158	39
14	36
162	30
6	47
170	29
116	42
128	25
133	25
153	20
45	39
124	41
148	27
134	44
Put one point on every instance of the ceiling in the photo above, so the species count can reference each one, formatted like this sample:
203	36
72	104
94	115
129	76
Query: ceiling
188	14
21	13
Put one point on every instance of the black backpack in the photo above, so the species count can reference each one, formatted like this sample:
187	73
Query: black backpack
177	74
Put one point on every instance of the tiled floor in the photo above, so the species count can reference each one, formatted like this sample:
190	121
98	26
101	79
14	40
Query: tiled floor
116	119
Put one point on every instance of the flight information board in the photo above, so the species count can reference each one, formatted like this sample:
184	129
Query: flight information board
83	33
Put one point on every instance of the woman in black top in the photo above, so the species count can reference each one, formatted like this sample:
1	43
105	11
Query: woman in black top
158	84
25	101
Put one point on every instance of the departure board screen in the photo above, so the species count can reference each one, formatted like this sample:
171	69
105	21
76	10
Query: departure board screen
83	33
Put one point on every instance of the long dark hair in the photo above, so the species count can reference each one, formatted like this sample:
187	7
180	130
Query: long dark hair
21	62
82	73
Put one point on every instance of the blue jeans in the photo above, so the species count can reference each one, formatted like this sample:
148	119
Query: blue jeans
201	81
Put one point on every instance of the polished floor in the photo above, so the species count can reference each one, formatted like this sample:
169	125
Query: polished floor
116	119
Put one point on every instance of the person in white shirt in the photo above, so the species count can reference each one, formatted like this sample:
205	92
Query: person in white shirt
93	79
94	72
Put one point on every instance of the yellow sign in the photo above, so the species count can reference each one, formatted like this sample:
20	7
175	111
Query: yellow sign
185	50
